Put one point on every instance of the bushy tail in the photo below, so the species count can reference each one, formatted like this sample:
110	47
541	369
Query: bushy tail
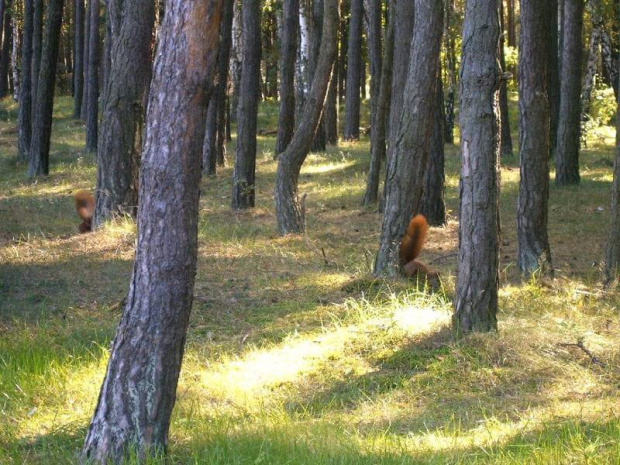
413	241
85	207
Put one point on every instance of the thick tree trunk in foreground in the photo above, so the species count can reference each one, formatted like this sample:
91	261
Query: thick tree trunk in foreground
534	252
288	54
247	112
378	147
478	276
42	118
354	70
139	390
78	52
289	212
214	146
433	204
406	167
120	138
92	106
25	99
569	125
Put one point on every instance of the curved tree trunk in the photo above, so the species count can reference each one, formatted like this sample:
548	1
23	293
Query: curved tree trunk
406	167
25	100
569	131
380	115
354	70
478	275
247	112
120	139
288	53
78	50
433	204
139	390
92	106
289	212
42	118
534	253
214	147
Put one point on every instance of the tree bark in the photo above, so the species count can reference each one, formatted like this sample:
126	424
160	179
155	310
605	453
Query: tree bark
330	115
120	139
379	118
42	118
354	70
288	54
406	166
553	73
5	51
247	112
318	144
92	106
214	147
25	100
375	55
506	144
290	214
86	59
433	203
512	30
78	68
37	42
139	390
451	71
478	276
534	252
594	55
236	56
15	54
569	131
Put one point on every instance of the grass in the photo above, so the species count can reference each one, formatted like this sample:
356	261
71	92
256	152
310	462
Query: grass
295	354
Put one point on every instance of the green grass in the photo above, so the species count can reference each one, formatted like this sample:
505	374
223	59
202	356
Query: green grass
295	354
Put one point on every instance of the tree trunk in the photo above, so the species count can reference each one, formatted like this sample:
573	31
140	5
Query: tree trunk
406	166
2	13
120	139
506	147
478	275
139	391
25	100
330	114
318	144
214	146
561	18
42	117
290	214
247	111
343	51
512	30
568	145
380	115
612	252
86	58
451	71
5	51
553	79
92	107
78	68
354	71
37	42
594	54
288	55
433	204
610	69
236	56
375	55
534	252
15	54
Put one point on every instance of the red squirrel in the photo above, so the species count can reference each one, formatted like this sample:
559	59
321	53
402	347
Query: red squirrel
410	249
85	206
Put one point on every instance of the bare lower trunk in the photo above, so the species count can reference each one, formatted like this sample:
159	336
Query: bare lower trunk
406	166
25	101
354	70
5	51
139	391
78	51
506	146
478	275
289	212
612	252
92	108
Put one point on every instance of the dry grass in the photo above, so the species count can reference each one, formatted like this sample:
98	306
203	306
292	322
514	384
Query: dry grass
295	354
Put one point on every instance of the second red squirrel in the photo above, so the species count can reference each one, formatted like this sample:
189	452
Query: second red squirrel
410	248
85	207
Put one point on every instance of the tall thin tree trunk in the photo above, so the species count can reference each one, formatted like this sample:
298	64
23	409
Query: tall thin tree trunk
289	212
451	72
120	137
506	145
78	69
42	117
288	55
568	145
236	56
478	276
37	42
406	167
594	55
318	144
25	100
15	54
86	58
354	71
330	114
553	73
247	112
534	252
5	51
92	108
139	391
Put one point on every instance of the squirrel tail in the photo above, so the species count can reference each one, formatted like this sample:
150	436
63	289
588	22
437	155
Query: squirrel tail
413	241
85	207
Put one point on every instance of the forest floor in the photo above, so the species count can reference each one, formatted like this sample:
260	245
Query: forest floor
295	354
